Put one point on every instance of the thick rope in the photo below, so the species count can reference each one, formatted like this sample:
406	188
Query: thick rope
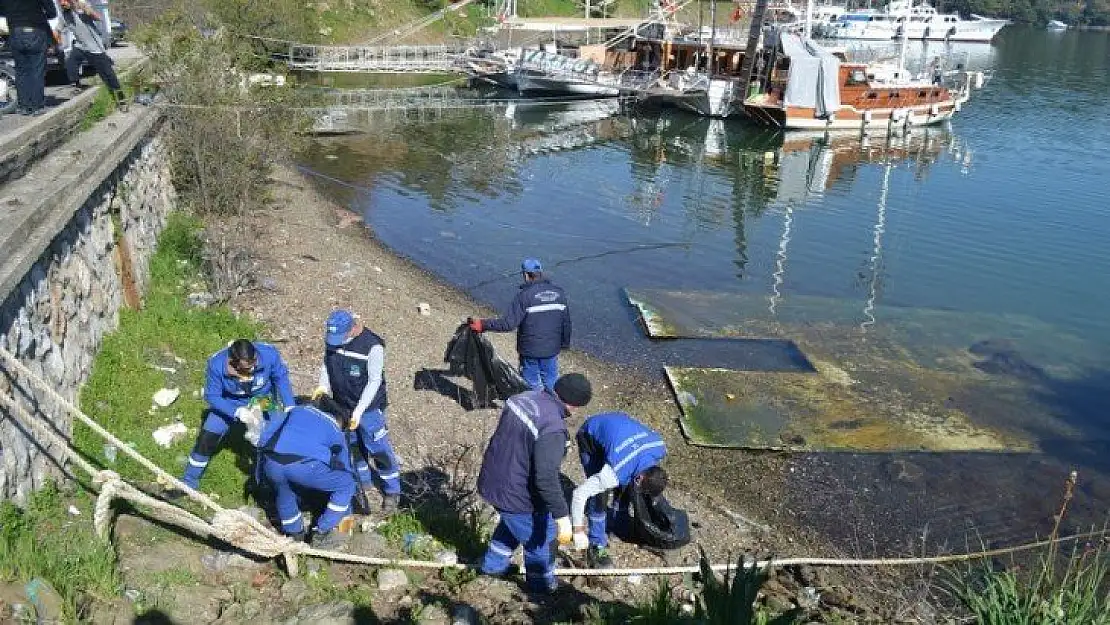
248	534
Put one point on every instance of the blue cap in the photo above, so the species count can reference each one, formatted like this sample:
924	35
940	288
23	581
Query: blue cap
531	265
339	325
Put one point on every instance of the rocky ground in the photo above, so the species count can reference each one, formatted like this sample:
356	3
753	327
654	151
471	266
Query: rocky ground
310	256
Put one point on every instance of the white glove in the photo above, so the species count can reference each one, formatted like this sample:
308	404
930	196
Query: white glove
356	418
252	419
581	541
564	533
242	414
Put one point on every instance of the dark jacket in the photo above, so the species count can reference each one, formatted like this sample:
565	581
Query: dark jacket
520	469
541	317
472	355
348	374
28	13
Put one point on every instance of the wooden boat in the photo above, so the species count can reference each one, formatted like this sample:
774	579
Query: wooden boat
803	86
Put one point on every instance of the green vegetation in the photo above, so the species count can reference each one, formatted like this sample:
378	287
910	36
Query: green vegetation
168	334
102	106
1093	12
465	533
44	541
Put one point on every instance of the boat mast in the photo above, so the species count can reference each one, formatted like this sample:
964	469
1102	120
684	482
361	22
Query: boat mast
808	32
712	36
904	38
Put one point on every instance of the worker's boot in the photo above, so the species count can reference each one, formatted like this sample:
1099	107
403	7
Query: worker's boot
598	557
332	540
390	504
121	101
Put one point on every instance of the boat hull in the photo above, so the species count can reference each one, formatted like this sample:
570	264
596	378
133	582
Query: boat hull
851	118
533	84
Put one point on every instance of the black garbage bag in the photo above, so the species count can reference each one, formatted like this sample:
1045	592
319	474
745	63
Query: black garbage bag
654	522
471	355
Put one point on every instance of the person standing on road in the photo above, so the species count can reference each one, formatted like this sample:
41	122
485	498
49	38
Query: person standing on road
80	20
541	317
29	37
353	373
520	479
240	379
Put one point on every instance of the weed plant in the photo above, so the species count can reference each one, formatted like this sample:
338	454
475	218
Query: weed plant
166	344
43	540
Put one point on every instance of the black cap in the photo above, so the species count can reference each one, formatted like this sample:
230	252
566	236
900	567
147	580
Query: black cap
574	389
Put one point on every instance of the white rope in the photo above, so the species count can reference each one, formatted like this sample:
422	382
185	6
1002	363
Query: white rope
246	533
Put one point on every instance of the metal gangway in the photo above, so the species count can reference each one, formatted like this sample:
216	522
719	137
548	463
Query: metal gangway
405	59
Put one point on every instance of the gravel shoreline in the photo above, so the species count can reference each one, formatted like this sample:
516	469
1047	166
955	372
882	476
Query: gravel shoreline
312	255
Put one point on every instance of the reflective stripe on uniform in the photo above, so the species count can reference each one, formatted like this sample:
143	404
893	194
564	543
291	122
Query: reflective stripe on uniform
545	308
350	354
631	439
632	455
390	476
291	521
198	463
523	416
380	434
336	508
498	548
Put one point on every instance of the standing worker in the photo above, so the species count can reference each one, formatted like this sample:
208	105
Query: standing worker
616	451
353	373
29	36
241	377
520	478
541	318
88	47
308	450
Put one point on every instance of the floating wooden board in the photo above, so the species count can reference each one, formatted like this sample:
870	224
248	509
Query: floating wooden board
823	411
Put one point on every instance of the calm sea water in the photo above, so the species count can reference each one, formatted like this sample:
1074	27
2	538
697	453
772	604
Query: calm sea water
1004	212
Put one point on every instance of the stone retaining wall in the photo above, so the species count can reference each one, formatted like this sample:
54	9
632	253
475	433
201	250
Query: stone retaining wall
55	317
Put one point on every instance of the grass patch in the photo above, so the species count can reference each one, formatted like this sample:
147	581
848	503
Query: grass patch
102	106
435	528
44	541
165	333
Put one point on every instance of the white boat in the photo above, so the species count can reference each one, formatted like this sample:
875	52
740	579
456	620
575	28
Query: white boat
1057	26
498	67
546	72
920	23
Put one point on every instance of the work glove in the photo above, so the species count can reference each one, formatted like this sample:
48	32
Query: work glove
564	533
243	414
251	418
356	418
475	324
319	392
581	541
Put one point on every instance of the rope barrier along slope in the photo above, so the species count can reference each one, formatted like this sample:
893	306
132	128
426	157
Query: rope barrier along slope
246	533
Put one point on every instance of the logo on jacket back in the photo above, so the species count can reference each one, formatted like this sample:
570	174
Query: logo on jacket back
547	296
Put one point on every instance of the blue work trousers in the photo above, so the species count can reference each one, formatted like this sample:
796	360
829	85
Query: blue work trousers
605	514
212	433
377	463
540	373
339	484
536	532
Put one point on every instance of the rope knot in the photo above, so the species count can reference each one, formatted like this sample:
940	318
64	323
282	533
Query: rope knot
238	528
105	477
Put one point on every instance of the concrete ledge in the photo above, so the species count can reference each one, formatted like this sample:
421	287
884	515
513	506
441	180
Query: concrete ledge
38	135
36	207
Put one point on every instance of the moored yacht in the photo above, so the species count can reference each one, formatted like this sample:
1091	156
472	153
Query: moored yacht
921	22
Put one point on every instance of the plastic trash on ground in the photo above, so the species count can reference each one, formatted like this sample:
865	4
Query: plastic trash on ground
167	434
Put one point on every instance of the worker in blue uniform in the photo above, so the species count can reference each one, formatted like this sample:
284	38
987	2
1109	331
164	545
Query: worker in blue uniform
520	479
616	451
353	374
307	450
541	318
242	376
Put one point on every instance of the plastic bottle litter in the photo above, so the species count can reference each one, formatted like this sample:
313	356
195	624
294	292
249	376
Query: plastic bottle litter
419	543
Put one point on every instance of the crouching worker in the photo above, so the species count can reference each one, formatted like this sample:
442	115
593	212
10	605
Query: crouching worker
354	375
243	379
308	451
617	452
520	478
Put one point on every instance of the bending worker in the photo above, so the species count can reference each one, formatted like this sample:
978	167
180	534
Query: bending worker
540	315
240	377
353	373
520	478
308	450
616	451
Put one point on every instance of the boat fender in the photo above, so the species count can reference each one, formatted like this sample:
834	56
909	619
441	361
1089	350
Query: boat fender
979	80
898	115
956	108
867	117
934	110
